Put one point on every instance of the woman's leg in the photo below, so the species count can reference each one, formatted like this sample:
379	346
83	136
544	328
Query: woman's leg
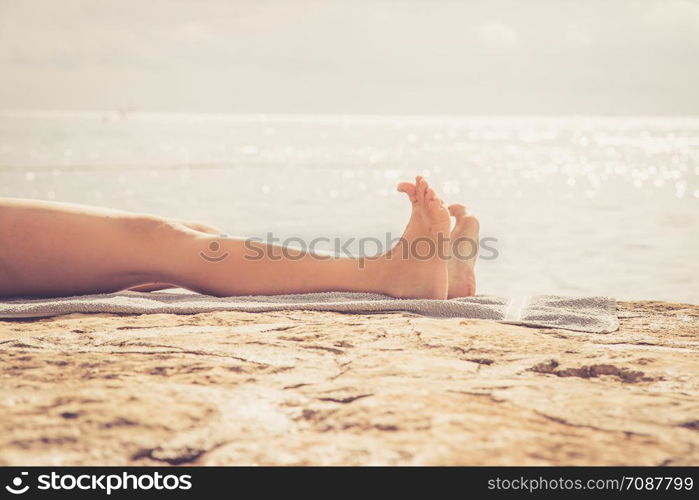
416	267
56	249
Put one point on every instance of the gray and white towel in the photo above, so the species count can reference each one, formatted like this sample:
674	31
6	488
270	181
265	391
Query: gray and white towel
583	314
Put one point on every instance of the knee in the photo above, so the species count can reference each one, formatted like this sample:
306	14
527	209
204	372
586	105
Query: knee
202	227
151	228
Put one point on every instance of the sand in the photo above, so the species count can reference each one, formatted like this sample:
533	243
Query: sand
327	388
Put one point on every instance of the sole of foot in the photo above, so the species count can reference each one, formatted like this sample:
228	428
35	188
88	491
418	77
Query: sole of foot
464	252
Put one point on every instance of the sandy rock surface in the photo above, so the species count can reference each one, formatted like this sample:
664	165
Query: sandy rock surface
326	388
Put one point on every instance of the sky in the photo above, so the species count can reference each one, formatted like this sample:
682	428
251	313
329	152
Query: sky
536	57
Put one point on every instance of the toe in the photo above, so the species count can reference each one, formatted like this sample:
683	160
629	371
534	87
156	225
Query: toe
430	195
406	187
422	188
409	189
457	210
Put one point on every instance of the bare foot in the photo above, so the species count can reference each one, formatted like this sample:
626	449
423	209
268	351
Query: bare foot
464	253
463	247
417	267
